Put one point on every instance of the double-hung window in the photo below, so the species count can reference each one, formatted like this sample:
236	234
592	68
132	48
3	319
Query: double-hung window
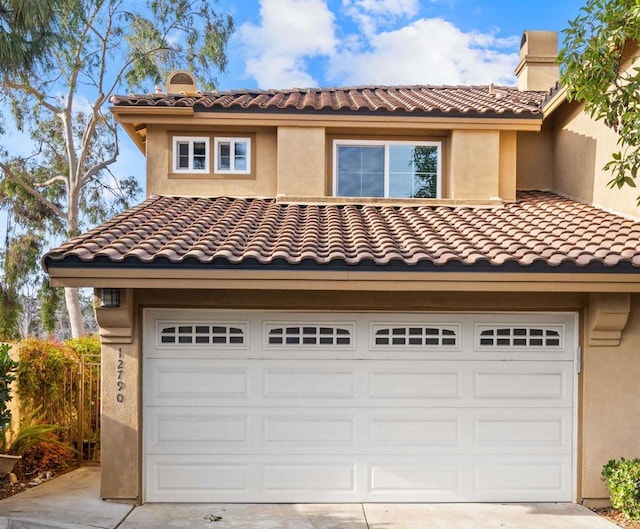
233	155
190	154
394	169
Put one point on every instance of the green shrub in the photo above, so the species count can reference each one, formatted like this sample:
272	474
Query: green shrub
32	431
47	380
7	376
622	478
85	346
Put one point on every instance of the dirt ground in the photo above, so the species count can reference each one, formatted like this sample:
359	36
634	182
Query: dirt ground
24	482
617	518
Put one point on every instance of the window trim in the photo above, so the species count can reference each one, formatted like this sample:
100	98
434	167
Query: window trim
233	140
386	144
191	140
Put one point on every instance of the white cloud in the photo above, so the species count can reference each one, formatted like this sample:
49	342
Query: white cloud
428	51
296	40
290	32
371	14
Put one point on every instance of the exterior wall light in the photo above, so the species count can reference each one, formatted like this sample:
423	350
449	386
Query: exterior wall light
110	297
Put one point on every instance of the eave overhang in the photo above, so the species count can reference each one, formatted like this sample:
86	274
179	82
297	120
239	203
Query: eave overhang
135	119
352	280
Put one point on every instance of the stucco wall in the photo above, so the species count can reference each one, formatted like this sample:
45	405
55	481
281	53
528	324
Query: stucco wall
261	182
610	403
535	159
581	149
297	161
474	164
301	157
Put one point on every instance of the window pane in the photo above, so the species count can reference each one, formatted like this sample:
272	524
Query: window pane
183	155
413	171
360	171
425	160
240	157
224	155
199	155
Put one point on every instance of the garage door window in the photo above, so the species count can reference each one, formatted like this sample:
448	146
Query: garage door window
310	335
520	337
415	336
215	334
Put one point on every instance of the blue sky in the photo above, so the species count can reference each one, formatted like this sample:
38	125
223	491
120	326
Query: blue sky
301	43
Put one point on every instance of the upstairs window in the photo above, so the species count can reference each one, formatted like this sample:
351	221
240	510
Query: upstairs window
190	155
391	169
233	155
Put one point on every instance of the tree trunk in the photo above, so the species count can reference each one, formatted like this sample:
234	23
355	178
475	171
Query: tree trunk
72	301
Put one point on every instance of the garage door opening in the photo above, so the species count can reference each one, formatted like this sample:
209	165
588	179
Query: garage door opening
301	407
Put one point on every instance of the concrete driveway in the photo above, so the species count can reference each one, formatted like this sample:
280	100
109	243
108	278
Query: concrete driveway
365	516
72	502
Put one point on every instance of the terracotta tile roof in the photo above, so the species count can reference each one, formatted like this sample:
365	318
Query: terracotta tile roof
540	232
431	100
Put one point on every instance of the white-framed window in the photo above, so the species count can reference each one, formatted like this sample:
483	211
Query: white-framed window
190	154
394	169
233	155
305	334
216	334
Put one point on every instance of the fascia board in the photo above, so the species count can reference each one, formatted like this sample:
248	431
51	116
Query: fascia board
346	280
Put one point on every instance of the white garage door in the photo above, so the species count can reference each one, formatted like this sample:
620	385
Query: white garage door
266	407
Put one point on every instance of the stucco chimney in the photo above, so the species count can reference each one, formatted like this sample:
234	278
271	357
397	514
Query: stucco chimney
538	69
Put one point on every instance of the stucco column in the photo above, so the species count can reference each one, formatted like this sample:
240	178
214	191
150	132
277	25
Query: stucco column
120	402
610	407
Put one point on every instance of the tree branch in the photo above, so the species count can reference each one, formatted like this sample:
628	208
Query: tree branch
95	169
35	93
38	196
58	178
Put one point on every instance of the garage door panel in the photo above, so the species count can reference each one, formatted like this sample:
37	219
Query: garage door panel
319	478
541	478
417	382
545	431
232	430
423	478
286	479
193	382
180	430
315	382
180	478
525	382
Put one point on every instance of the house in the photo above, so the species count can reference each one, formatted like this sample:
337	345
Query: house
395	294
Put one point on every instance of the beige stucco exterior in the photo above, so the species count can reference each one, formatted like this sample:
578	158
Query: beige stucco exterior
484	162
294	158
582	147
538	68
609	407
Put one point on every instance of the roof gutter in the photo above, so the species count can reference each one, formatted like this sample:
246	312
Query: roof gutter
356	280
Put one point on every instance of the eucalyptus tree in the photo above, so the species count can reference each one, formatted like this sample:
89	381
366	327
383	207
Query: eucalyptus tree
27	29
59	107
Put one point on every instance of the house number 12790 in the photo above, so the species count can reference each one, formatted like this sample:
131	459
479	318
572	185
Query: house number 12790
120	371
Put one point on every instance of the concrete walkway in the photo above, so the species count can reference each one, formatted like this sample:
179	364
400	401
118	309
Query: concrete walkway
72	502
